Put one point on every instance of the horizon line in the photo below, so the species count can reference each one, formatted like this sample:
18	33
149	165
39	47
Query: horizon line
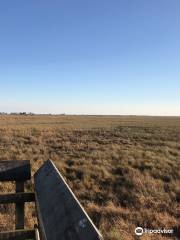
82	114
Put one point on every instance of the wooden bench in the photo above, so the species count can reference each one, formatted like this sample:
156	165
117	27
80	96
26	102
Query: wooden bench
60	215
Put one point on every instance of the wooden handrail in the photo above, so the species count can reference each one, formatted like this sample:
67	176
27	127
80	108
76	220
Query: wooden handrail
17	197
17	235
15	170
60	214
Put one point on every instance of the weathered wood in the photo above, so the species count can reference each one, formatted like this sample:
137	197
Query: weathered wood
39	218
17	197
17	235
19	207
60	214
37	237
15	170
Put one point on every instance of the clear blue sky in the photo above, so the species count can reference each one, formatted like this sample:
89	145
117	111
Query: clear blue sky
94	57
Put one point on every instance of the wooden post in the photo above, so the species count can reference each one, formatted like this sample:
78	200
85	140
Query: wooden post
19	207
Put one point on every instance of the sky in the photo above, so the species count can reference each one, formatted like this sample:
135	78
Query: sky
90	57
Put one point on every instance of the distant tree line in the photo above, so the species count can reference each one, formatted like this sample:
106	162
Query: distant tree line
17	113
29	113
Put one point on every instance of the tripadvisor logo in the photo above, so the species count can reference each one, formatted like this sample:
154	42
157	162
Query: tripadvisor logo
139	231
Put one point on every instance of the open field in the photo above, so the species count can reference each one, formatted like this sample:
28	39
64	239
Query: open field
124	170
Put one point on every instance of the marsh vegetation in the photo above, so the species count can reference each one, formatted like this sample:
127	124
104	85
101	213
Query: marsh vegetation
124	170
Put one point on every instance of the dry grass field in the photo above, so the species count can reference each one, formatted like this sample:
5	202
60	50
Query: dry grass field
124	170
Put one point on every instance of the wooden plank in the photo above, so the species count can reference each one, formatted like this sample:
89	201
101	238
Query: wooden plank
15	170
60	214
17	235
19	221
17	197
37	237
39	218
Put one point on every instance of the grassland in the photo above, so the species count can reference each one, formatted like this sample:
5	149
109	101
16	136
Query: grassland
124	170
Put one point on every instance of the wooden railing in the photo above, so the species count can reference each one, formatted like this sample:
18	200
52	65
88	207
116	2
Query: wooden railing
59	213
18	171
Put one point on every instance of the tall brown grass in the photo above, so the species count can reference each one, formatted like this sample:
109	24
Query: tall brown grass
124	170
